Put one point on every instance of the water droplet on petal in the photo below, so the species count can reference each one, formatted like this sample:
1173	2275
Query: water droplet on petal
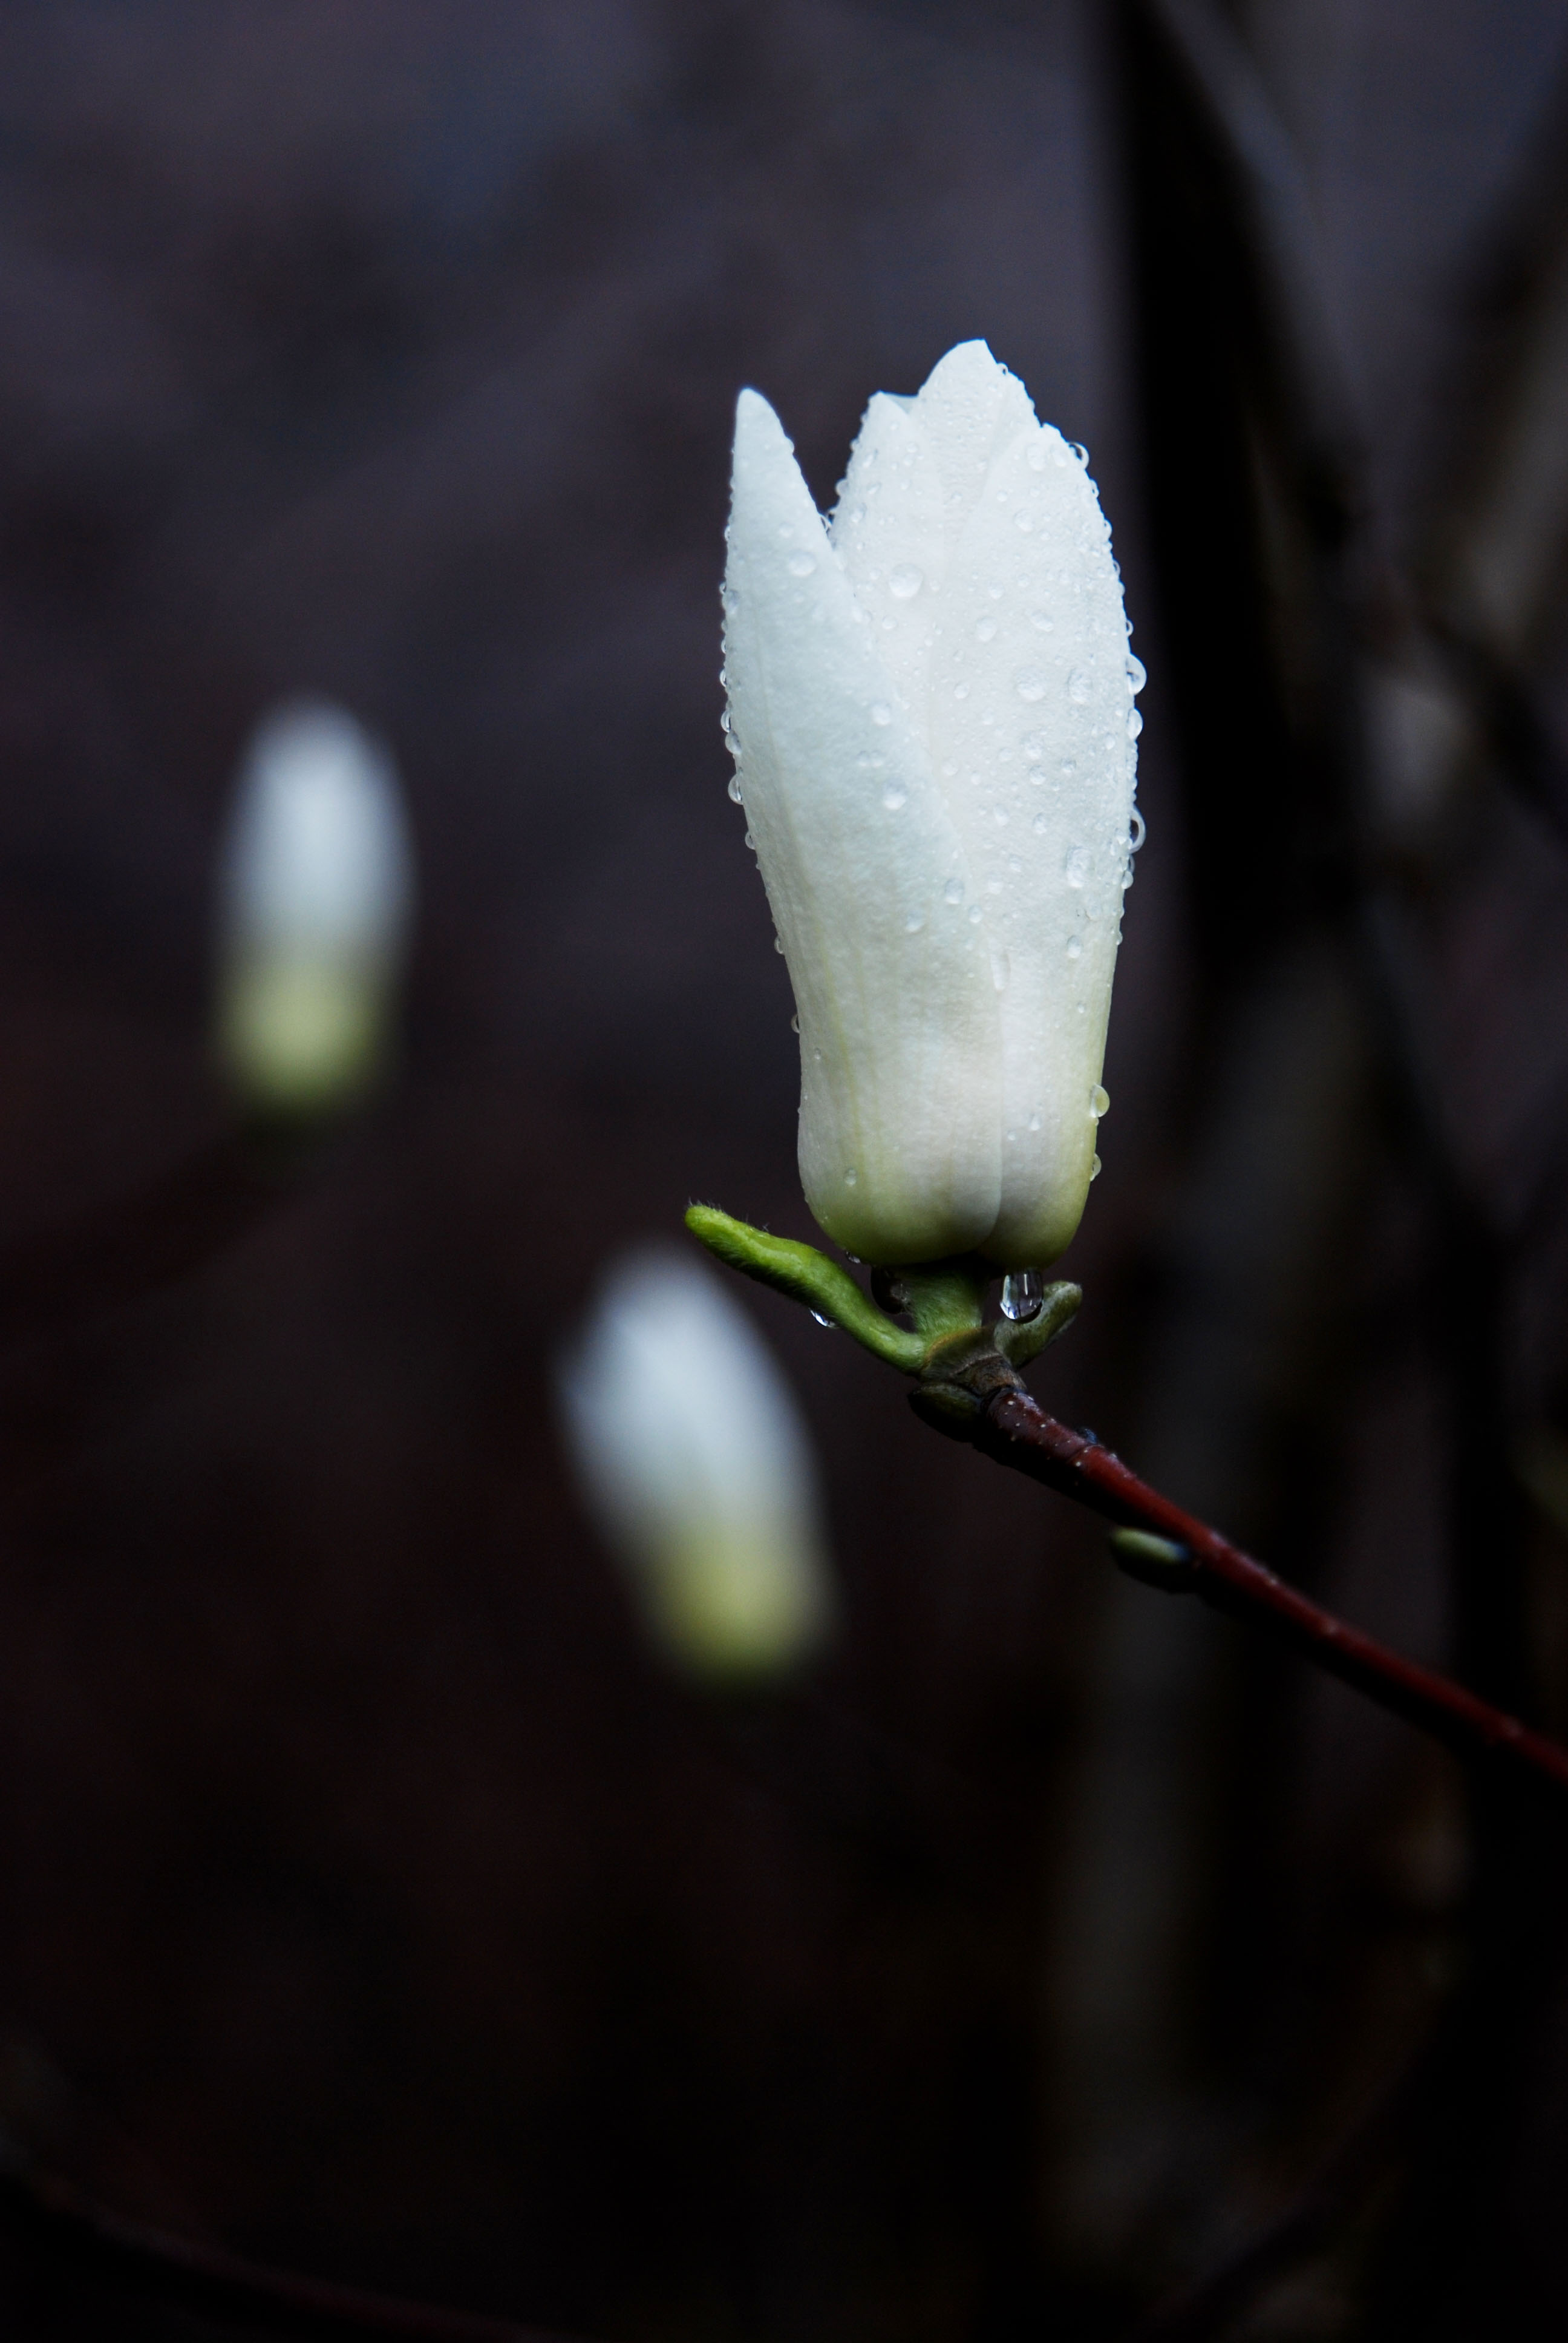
802	565
794	1024
1137	674
1078	686
974	915
985	630
850	1176
1022	1293
1042	822
734	791
1095	1168
1075	870
1099	1102
1134	723
953	893
1031	684
1042	621
821	1320
777	943
1138	831
880	712
1074	947
893	797
1023	522
904	582
1079	451
914	923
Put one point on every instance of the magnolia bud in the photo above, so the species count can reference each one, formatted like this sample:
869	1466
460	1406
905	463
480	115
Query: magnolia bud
317	897
931	707
693	1457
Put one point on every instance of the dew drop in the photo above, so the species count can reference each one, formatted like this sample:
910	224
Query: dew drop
1042	822
1094	1168
1037	456
1078	686
802	565
1042	622
1099	1102
1037	777
821	1320
778	943
953	893
960	692
985	630
1134	723
794	1024
893	797
734	790
904	582
1023	522
1137	674
1034	744
851	1177
1031	684
750	841
1138	831
1079	451
1022	1294
880	712
1034	1122
1075	870
914	923
999	971
1074	947
973	915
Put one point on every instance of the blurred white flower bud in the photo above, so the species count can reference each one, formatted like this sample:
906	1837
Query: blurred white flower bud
317	896
693	1457
932	713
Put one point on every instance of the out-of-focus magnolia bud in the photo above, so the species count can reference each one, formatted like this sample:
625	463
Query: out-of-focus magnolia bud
692	1455
317	896
932	713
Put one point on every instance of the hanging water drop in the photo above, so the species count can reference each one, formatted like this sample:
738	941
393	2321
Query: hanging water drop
1099	1102
734	790
904	582
821	1320
1022	1295
1138	831
1134	723
1137	674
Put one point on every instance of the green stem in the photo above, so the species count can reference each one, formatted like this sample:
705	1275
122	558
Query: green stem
946	1298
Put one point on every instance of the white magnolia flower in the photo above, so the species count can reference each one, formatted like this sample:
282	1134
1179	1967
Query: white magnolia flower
691	1451
930	709
314	916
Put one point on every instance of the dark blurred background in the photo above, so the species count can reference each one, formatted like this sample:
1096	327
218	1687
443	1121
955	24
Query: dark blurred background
375	1902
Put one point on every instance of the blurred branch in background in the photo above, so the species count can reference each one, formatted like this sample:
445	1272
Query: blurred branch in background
1289	632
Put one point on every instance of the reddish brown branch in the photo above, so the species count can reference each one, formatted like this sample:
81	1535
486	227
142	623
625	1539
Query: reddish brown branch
1015	1431
53	2217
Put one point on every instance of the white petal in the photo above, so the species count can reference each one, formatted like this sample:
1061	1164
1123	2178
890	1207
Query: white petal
1034	639
868	884
973	408
888	530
